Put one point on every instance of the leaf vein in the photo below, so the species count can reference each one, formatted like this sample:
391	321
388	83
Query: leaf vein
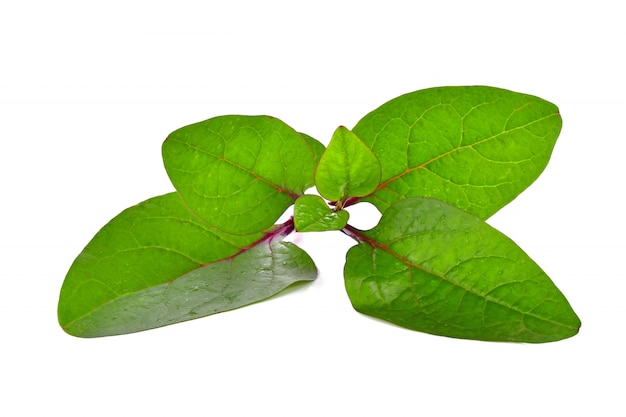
279	188
423	165
442	277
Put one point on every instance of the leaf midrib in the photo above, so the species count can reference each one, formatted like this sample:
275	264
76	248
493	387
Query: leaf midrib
424	165
280	188
374	244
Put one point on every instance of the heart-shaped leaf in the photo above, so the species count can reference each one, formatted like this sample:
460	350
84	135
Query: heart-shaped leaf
474	147
312	214
156	264
348	168
431	267
239	173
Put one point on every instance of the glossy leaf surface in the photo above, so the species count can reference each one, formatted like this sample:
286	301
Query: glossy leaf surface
474	147
155	264
348	168
239	173
312	214
431	267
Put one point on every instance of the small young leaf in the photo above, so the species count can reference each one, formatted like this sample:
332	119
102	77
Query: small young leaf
348	168
156	264
431	267
474	147
312	214
239	173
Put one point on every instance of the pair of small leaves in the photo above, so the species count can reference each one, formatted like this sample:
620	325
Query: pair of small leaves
431	264
347	168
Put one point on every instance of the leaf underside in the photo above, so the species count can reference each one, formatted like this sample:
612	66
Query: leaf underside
157	264
474	147
431	267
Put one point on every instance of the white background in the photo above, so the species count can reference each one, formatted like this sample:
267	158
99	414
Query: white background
89	90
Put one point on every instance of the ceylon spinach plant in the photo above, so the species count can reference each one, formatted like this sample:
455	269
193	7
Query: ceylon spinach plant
436	163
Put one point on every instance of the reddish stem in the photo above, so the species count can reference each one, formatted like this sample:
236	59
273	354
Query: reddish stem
349	202
354	234
282	230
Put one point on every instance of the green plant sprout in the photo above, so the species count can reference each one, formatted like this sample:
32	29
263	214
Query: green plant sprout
436	163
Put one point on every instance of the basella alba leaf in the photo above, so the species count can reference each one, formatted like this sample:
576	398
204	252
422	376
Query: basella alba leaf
431	267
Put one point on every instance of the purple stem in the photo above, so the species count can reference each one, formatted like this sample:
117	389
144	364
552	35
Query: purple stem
281	231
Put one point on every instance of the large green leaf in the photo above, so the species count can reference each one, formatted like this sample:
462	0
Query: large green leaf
156	264
348	168
239	173
431	267
474	147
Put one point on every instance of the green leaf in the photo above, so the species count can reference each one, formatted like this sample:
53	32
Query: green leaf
348	168
474	147
316	147
156	264
431	267
312	214
239	173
